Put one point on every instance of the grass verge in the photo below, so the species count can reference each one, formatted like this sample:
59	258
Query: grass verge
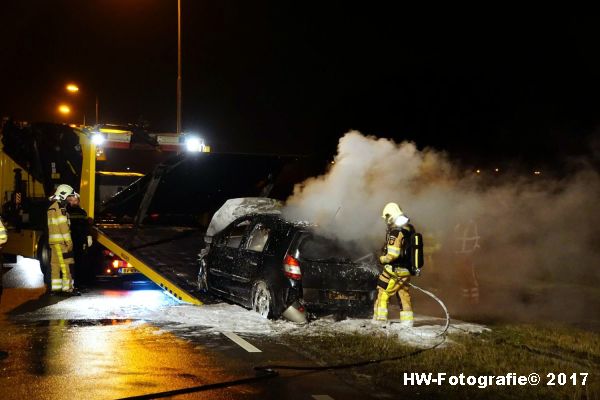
522	349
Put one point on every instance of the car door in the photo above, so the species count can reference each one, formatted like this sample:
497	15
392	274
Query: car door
251	258
224	266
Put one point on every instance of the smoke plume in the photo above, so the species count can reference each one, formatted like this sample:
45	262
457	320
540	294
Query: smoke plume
538	235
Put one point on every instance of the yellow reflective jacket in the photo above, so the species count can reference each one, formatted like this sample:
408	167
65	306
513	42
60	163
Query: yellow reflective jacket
3	235
392	247
58	226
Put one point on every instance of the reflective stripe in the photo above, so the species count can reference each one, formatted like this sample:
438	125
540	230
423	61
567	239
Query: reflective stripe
56	284
57	221
417	258
381	314
406	316
393	250
59	237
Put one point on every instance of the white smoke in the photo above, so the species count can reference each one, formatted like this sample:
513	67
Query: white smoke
531	227
368	173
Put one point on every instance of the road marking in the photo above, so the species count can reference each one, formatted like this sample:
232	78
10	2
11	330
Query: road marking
241	342
321	397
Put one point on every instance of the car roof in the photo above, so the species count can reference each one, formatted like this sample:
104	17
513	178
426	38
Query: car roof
274	218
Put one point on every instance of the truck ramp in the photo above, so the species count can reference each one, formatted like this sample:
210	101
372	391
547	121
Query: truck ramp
166	255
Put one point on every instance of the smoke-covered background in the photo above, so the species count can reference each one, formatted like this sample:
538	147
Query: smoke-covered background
540	236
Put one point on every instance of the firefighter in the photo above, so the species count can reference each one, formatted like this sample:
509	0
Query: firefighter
3	239
82	240
466	244
395	277
3	235
59	239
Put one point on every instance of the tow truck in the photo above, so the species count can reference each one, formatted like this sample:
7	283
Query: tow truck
34	158
156	224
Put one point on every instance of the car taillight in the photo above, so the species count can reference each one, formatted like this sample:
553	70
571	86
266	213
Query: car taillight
291	268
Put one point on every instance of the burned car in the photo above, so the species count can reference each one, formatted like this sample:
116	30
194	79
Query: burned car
259	260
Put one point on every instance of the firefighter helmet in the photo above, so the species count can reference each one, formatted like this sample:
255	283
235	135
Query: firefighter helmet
393	215
62	192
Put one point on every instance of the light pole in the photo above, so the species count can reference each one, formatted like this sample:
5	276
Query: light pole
178	66
74	89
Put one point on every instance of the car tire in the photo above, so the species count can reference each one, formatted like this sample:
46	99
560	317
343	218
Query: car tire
264	302
203	277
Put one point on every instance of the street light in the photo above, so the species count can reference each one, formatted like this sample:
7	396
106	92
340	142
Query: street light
64	109
73	88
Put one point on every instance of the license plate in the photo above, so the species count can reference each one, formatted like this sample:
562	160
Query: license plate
127	270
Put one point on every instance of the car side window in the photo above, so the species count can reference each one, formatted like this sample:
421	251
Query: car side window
258	238
235	235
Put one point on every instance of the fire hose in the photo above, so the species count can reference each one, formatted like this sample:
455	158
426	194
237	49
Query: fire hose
441	303
270	371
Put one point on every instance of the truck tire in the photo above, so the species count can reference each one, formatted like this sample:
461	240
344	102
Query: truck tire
43	255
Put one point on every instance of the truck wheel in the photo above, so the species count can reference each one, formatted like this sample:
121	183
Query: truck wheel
43	255
263	301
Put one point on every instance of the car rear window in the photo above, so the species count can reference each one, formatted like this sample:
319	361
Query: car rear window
320	248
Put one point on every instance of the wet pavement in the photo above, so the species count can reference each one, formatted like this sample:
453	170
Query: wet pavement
119	341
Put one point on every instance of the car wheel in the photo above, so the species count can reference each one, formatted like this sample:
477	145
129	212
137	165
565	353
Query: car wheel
202	277
262	300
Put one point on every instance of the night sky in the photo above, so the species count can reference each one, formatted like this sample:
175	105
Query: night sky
292	77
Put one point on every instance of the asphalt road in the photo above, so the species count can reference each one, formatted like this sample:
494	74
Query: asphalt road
101	346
